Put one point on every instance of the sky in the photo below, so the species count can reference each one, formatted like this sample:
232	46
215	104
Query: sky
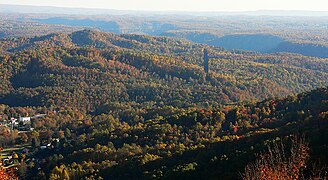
183	5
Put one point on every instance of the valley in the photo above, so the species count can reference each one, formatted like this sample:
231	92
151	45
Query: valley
116	94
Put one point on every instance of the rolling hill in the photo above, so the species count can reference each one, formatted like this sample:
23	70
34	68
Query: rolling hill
92	68
141	107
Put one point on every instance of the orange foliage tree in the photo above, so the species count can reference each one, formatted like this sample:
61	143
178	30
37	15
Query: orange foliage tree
279	164
7	174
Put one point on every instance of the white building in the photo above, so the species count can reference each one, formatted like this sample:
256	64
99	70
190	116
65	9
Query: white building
25	120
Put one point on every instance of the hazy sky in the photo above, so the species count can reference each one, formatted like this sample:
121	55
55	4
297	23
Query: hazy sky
183	5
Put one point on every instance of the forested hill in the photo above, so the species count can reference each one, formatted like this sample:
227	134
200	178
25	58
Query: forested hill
166	142
107	106
96	72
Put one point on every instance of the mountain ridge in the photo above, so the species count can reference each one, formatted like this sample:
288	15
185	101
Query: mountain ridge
43	64
14	8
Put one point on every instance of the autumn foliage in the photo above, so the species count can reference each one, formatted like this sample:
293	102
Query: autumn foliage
7	174
278	164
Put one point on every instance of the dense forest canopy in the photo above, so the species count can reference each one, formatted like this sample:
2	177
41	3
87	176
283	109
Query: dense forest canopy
127	106
92	70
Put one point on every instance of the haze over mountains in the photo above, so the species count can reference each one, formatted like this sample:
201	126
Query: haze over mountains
8	8
306	35
106	94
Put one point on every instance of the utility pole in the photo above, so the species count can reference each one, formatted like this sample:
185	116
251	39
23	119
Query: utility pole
12	123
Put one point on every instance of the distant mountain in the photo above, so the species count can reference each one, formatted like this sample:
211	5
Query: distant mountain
303	32
10	8
264	43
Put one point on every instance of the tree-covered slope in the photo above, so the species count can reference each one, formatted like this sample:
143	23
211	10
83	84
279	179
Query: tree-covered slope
91	70
166	142
141	107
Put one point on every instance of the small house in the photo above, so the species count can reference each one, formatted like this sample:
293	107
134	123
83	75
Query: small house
25	120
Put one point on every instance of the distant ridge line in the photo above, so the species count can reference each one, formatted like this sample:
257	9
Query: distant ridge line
14	8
